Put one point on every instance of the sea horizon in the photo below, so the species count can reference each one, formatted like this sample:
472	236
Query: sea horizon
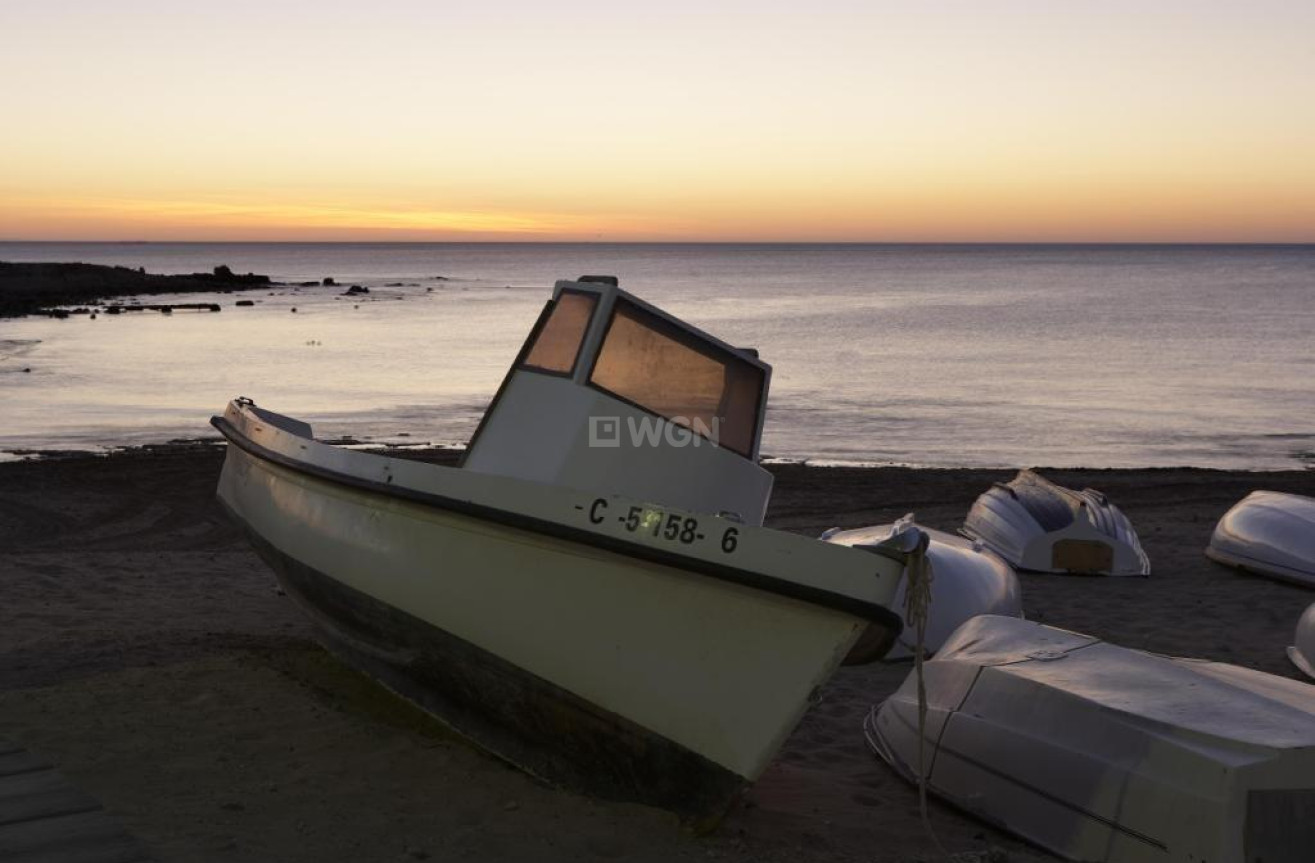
930	354
530	242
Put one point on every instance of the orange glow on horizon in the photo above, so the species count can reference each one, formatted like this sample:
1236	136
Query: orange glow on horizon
1090	212
846	122
214	219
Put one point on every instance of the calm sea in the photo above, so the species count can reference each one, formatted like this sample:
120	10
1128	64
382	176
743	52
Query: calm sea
929	355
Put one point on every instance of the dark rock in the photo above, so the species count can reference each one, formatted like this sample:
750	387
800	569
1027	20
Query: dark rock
355	289
226	276
29	288
294	310
245	303
328	282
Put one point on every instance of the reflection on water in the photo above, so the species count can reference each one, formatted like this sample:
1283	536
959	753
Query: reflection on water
1098	356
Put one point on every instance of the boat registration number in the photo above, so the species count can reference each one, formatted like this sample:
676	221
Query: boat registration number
669	526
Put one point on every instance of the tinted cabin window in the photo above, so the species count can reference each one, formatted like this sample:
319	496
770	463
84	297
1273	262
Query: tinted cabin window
558	343
662	368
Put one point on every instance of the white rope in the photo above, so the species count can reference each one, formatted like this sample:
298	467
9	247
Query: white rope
917	607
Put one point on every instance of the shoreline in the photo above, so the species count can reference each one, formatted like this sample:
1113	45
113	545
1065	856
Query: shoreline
1039	400
147	651
437	452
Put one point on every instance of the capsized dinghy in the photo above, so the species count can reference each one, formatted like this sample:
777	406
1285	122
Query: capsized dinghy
967	580
1302	652
1100	753
1042	527
592	595
1268	533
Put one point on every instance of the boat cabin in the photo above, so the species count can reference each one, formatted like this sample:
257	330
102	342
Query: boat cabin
613	395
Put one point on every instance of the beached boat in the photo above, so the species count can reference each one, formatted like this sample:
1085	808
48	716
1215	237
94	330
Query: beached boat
1302	651
967	580
1097	752
591	595
1268	533
1042	527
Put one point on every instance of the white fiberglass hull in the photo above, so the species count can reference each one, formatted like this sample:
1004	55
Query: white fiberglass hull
1038	526
1302	651
967	580
632	651
1100	753
1269	533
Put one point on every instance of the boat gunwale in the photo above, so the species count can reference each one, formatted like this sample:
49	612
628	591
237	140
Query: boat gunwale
865	610
1258	566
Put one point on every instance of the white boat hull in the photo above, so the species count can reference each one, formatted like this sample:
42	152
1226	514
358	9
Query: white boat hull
1038	526
1268	533
967	580
1100	753
1302	651
620	663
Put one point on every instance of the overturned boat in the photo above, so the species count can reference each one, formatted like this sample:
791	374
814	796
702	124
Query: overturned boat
1269	533
966	580
1042	527
1100	753
1302	651
591	595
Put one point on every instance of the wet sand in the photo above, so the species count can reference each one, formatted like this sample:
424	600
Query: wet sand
147	651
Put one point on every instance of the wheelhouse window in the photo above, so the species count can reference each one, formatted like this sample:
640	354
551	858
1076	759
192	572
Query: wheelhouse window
668	371
557	344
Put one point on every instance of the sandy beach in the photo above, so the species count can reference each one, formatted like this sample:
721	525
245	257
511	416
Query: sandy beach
148	652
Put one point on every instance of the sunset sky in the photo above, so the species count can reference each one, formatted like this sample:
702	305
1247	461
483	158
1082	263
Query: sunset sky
817	121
